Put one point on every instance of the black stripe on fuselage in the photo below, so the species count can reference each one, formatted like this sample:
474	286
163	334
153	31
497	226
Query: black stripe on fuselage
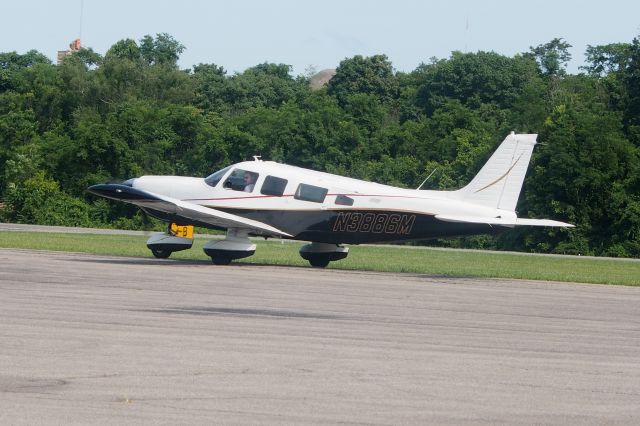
347	226
360	226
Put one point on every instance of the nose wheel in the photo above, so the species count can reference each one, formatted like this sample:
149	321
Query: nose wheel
161	253
163	244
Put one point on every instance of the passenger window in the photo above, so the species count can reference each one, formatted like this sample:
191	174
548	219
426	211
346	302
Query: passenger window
213	179
241	180
273	186
343	200
310	193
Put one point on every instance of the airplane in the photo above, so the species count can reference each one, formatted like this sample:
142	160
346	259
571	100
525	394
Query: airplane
270	199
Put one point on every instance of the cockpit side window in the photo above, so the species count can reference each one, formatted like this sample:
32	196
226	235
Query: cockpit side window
241	180
213	179
273	186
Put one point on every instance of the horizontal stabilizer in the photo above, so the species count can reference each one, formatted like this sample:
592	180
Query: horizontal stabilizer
509	222
182	209
543	222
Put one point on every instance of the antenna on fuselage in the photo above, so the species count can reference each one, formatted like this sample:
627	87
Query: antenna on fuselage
425	181
257	158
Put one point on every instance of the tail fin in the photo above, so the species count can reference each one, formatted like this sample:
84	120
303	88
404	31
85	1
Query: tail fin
499	182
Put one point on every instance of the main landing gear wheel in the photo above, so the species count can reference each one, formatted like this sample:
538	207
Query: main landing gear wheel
236	245
320	254
220	260
319	262
161	253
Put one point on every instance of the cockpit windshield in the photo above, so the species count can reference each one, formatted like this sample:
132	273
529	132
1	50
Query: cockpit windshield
213	179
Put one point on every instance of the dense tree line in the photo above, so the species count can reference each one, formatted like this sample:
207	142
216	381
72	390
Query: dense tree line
132	111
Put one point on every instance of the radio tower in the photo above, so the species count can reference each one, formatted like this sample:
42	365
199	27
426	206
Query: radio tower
466	34
81	11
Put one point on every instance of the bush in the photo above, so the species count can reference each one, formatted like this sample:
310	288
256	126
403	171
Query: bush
39	200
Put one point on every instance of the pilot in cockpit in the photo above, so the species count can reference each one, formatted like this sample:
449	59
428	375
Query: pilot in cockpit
249	181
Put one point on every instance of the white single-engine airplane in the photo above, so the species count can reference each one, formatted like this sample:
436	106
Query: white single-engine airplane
268	199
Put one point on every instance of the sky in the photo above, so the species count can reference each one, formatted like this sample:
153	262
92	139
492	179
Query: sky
238	34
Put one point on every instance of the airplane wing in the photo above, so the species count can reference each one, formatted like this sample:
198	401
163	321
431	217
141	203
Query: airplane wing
183	210
510	222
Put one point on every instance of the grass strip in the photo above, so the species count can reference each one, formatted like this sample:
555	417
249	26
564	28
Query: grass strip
422	260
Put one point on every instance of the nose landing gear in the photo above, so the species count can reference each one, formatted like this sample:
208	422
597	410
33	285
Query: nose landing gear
163	244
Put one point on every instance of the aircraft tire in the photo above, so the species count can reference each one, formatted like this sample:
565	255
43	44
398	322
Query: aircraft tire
319	261
161	253
220	260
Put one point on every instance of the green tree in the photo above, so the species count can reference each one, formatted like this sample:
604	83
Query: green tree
631	81
125	49
369	75
210	84
552	57
265	85
607	65
473	79
607	59
582	170
13	64
18	129
161	50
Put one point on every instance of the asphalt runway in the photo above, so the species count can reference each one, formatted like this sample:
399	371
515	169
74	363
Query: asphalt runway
112	340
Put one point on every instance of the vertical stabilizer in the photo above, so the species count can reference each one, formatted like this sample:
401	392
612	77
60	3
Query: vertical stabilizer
498	183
